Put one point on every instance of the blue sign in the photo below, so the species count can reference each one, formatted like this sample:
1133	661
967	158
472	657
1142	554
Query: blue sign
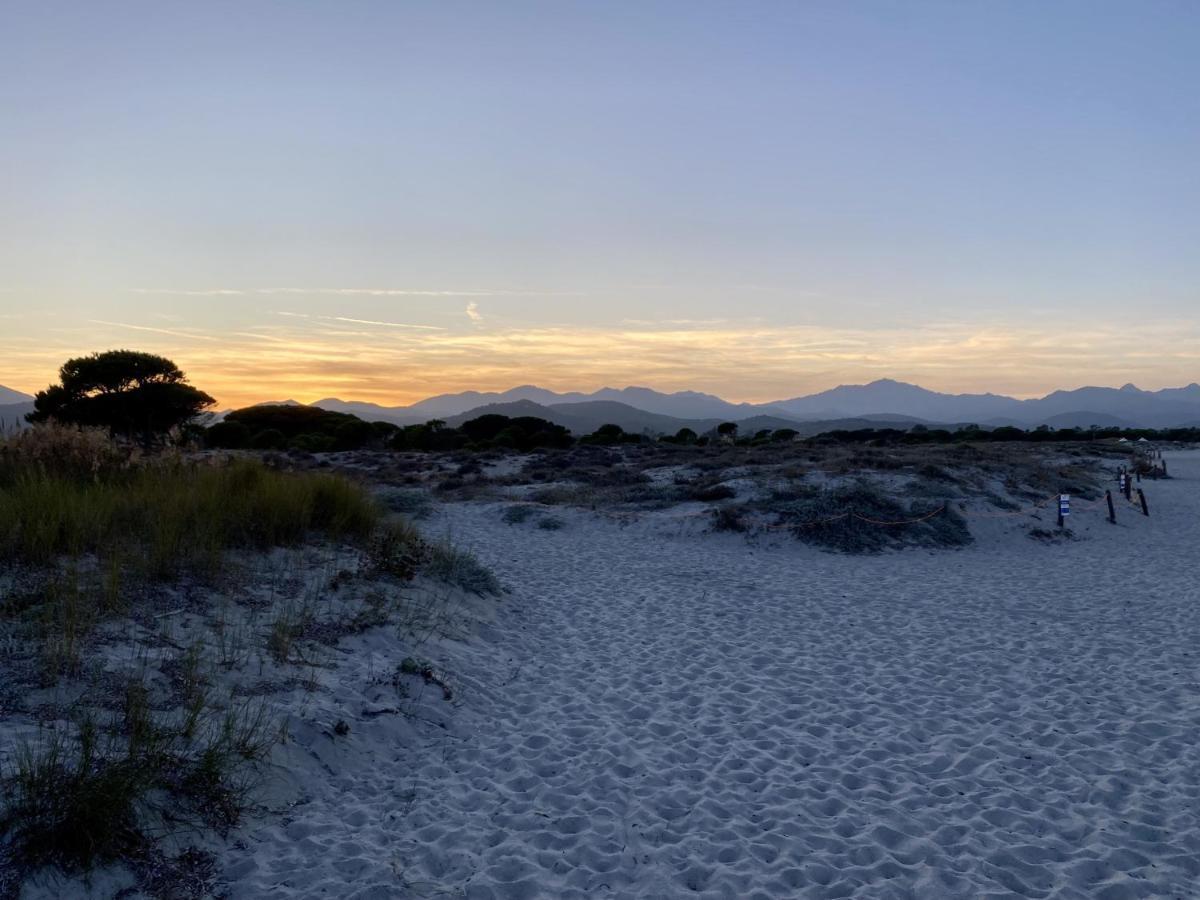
1064	504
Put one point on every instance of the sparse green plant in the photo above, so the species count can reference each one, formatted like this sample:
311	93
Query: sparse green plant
287	625
459	568
424	669
710	493
81	794
414	504
517	515
397	549
729	517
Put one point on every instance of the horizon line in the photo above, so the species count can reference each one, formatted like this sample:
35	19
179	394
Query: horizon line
609	387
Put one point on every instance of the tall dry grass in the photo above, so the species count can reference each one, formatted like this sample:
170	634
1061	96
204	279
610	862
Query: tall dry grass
65	493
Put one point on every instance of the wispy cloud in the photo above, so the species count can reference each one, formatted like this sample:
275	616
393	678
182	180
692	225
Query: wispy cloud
183	334
658	323
214	292
473	312
409	325
351	292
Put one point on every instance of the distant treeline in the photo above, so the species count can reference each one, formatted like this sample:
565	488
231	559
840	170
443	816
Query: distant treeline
920	434
316	430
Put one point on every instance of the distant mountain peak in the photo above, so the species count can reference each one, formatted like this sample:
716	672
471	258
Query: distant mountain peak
11	395
1131	388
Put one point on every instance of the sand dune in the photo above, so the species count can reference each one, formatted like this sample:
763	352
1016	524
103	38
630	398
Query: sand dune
665	714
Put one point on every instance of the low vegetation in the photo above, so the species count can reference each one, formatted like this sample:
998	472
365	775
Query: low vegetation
860	518
165	517
304	428
103	545
84	793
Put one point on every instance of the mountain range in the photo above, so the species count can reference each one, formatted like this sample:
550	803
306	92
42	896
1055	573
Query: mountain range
879	403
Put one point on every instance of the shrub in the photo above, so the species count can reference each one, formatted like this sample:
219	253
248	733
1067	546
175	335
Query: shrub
607	435
312	443
308	428
227	435
269	439
858	518
353	434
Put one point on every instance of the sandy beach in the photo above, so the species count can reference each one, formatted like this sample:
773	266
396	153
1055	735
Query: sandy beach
653	711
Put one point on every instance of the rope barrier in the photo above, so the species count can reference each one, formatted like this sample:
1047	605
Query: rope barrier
940	509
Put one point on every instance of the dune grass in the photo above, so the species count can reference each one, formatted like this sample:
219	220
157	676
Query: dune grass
83	794
87	524
176	518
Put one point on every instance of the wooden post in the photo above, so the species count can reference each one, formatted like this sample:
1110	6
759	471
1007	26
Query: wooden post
1128	487
1164	466
1142	497
1112	513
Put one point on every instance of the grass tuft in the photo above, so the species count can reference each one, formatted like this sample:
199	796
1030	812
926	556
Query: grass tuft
460	569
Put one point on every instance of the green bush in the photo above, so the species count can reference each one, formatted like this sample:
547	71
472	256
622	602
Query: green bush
312	443
227	435
270	439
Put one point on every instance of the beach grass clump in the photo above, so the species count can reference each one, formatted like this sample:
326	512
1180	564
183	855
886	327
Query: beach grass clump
415	504
170	517
458	568
64	450
396	548
85	794
711	493
729	517
861	518
517	515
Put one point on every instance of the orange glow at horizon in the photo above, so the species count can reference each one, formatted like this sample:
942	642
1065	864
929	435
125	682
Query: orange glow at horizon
739	363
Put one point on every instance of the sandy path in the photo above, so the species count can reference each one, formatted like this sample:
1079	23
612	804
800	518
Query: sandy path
672	716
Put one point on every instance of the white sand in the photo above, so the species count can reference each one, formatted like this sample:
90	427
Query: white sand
665	714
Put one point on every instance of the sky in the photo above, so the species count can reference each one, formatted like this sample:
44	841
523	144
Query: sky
387	200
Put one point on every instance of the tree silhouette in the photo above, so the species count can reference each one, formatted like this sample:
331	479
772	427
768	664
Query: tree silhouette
127	392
